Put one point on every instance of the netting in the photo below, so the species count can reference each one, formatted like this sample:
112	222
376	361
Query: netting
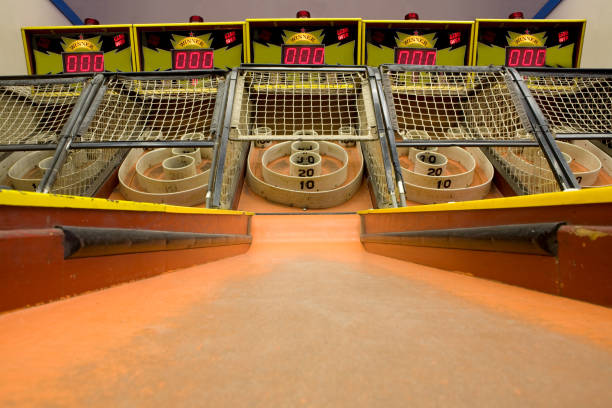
85	170
155	110
573	103
35	114
234	161
526	168
454	106
303	106
372	153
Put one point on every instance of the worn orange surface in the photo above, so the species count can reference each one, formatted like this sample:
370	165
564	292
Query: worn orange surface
308	318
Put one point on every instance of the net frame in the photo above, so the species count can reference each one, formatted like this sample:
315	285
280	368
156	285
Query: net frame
238	128
575	103
143	94
499	99
141	110
37	111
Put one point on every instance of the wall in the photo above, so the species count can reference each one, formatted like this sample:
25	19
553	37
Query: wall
598	13
21	13
164	11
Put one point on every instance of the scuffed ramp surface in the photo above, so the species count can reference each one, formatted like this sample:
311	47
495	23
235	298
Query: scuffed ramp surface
300	323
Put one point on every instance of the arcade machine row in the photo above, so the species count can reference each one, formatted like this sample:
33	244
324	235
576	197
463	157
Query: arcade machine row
573	104
39	113
83	124
417	42
302	125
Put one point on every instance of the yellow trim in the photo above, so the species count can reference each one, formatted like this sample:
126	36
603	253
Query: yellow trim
358	45
362	61
26	51
30	199
579	62
247	43
586	196
526	20
204	24
472	58
441	22
292	20
133	47
79	27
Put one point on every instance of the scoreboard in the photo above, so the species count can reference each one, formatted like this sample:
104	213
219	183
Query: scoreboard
417	42
78	49
189	46
529	43
304	41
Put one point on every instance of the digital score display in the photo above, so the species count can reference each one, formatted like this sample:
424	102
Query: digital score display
78	49
189	46
529	43
192	59
525	56
416	56
83	62
303	54
416	42
304	41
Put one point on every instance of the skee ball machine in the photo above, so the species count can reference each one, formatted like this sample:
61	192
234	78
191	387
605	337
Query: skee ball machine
417	42
575	106
40	114
466	133
305	130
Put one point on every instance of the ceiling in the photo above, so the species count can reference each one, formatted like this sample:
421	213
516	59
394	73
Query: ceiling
161	11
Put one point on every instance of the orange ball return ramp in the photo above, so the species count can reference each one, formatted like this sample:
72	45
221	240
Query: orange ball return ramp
328	267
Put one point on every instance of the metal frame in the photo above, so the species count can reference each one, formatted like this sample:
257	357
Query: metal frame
92	107
576	73
537	123
84	110
214	194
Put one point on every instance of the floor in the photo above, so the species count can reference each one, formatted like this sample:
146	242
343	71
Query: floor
308	318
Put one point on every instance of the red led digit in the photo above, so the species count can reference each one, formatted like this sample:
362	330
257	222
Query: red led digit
290	56
527	58
430	58
207	61
71	63
319	56
194	60
181	60
403	57
304	55
515	56
415	56
540	58
98	63
85	65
